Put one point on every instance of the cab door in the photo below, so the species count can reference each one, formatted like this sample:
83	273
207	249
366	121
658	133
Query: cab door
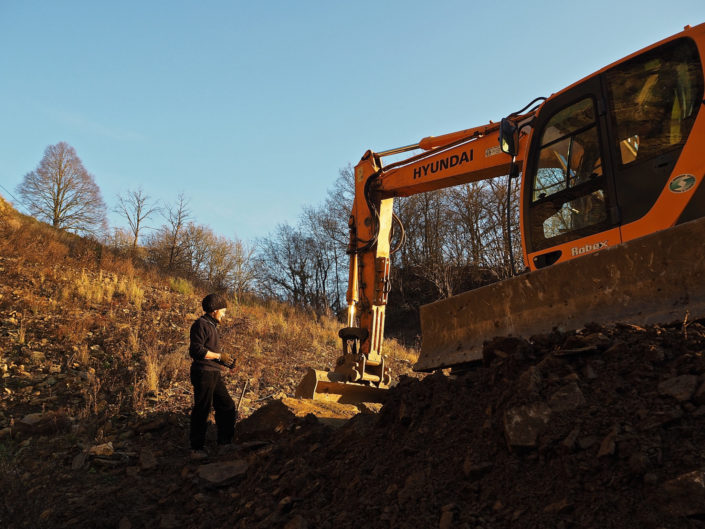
568	196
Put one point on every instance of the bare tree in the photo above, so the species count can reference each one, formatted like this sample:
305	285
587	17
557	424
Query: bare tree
176	216
135	206
61	192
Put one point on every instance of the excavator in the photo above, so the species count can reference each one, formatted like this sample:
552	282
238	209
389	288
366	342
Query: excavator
612	202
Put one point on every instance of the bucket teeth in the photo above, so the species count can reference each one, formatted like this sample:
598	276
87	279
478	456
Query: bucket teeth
333	387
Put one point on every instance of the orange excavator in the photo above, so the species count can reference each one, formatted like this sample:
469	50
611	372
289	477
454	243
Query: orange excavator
611	217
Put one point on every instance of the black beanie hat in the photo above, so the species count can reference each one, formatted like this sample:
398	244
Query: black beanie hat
213	302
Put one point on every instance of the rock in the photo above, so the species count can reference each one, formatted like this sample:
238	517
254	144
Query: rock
572	437
278	415
147	459
446	521
297	522
32	419
559	506
472	470
413	487
608	445
102	450
169	521
79	461
680	388
684	495
221	474
522	425
369	407
531	380
699	396
124	523
567	398
152	425
36	357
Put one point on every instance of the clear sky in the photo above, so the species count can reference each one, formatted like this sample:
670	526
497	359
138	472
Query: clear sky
251	108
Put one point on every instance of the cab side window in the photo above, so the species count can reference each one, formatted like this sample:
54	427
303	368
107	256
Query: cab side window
654	100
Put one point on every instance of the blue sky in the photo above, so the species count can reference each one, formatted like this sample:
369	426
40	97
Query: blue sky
251	108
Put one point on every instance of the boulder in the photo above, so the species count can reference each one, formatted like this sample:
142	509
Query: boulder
567	398
680	388
221	474
523	424
684	495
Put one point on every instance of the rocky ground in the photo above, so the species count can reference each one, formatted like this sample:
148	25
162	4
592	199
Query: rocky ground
598	428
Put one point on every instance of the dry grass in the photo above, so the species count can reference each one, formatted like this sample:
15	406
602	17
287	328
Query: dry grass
22	331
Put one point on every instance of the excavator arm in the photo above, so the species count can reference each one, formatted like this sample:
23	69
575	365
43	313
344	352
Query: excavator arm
449	160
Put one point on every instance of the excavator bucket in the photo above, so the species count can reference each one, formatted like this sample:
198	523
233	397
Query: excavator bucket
333	387
659	278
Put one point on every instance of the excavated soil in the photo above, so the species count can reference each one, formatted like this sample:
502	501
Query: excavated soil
603	427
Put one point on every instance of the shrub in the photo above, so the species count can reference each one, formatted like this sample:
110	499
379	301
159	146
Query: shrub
180	285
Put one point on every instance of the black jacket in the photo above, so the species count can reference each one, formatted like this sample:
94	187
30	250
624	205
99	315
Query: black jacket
204	338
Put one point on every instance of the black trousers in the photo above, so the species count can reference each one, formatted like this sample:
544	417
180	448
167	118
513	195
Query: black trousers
209	391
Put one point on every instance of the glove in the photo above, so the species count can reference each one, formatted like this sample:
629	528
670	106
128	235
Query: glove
227	360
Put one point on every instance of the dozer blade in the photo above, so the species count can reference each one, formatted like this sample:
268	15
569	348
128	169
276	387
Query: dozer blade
332	387
659	278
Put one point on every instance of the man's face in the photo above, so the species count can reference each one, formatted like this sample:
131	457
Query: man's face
219	314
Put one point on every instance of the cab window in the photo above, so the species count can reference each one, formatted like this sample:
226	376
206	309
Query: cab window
654	99
567	196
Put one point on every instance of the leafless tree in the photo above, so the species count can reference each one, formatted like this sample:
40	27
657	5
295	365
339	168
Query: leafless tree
136	207
61	192
176	216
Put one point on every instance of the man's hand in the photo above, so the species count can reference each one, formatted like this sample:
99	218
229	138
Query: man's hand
227	360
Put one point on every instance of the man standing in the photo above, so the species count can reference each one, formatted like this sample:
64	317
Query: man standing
206	376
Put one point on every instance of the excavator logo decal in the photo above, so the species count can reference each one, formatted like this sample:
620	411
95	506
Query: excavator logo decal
588	248
445	163
682	183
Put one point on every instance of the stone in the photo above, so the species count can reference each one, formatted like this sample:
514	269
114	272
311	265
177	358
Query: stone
36	357
523	424
297	522
559	506
608	445
102	450
446	521
79	461
169	521
124	523
684	495
413	487
680	388
147	459
567	398
473	470
32	419
221	474
699	396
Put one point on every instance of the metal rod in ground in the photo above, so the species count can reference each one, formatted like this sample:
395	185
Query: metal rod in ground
242	395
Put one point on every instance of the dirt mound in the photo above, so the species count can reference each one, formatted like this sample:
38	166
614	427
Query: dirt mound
599	428
602	428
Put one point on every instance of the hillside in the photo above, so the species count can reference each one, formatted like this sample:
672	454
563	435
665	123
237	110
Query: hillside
602	427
